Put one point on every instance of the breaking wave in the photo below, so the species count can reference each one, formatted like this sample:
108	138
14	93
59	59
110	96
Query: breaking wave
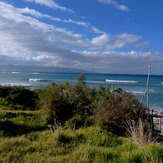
15	72
35	73
121	81
35	80
38	80
15	84
137	92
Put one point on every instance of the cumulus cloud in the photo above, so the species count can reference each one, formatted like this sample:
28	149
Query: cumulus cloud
51	4
115	4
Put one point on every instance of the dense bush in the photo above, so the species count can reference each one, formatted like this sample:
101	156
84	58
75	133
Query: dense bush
63	101
79	105
116	108
58	101
18	97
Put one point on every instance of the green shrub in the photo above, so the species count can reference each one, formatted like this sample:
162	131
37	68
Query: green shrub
77	104
116	108
18	98
63	101
3	101
58	101
22	98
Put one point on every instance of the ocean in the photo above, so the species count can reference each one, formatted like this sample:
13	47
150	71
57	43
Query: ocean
135	84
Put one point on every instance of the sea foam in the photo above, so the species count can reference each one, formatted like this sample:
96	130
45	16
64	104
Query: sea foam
15	72
121	81
15	84
34	80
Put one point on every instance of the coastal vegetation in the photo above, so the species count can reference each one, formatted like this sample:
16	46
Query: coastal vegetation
74	123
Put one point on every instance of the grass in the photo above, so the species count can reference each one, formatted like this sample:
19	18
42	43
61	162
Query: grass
16	123
25	137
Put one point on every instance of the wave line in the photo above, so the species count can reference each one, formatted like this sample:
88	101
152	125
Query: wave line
121	81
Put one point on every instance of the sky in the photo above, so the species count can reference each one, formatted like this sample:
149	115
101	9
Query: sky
103	36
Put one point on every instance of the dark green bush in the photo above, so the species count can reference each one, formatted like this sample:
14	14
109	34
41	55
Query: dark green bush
4	91
18	97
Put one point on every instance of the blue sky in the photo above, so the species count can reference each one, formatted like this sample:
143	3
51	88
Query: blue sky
106	36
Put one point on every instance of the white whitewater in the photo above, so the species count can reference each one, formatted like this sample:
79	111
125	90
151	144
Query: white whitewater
121	81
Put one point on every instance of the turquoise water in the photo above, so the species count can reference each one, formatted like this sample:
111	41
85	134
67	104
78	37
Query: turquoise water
136	84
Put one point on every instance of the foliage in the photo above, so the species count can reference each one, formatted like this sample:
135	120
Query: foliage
115	108
18	97
63	101
78	105
58	101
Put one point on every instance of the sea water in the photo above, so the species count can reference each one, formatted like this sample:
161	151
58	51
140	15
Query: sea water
135	84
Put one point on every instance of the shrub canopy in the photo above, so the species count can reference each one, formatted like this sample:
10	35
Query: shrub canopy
82	105
18	97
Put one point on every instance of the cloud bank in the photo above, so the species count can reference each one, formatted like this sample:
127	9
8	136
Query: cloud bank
27	40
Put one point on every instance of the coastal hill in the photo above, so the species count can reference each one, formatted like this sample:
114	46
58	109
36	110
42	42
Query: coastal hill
39	69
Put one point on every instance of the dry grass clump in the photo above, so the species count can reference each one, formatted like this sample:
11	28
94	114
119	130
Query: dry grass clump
139	132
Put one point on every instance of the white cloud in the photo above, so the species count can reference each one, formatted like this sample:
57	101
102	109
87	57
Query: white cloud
96	30
128	37
21	34
100	41
51	4
38	14
123	40
25	39
115	4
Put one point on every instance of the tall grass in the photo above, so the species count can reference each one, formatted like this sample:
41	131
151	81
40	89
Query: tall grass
91	144
138	132
141	136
